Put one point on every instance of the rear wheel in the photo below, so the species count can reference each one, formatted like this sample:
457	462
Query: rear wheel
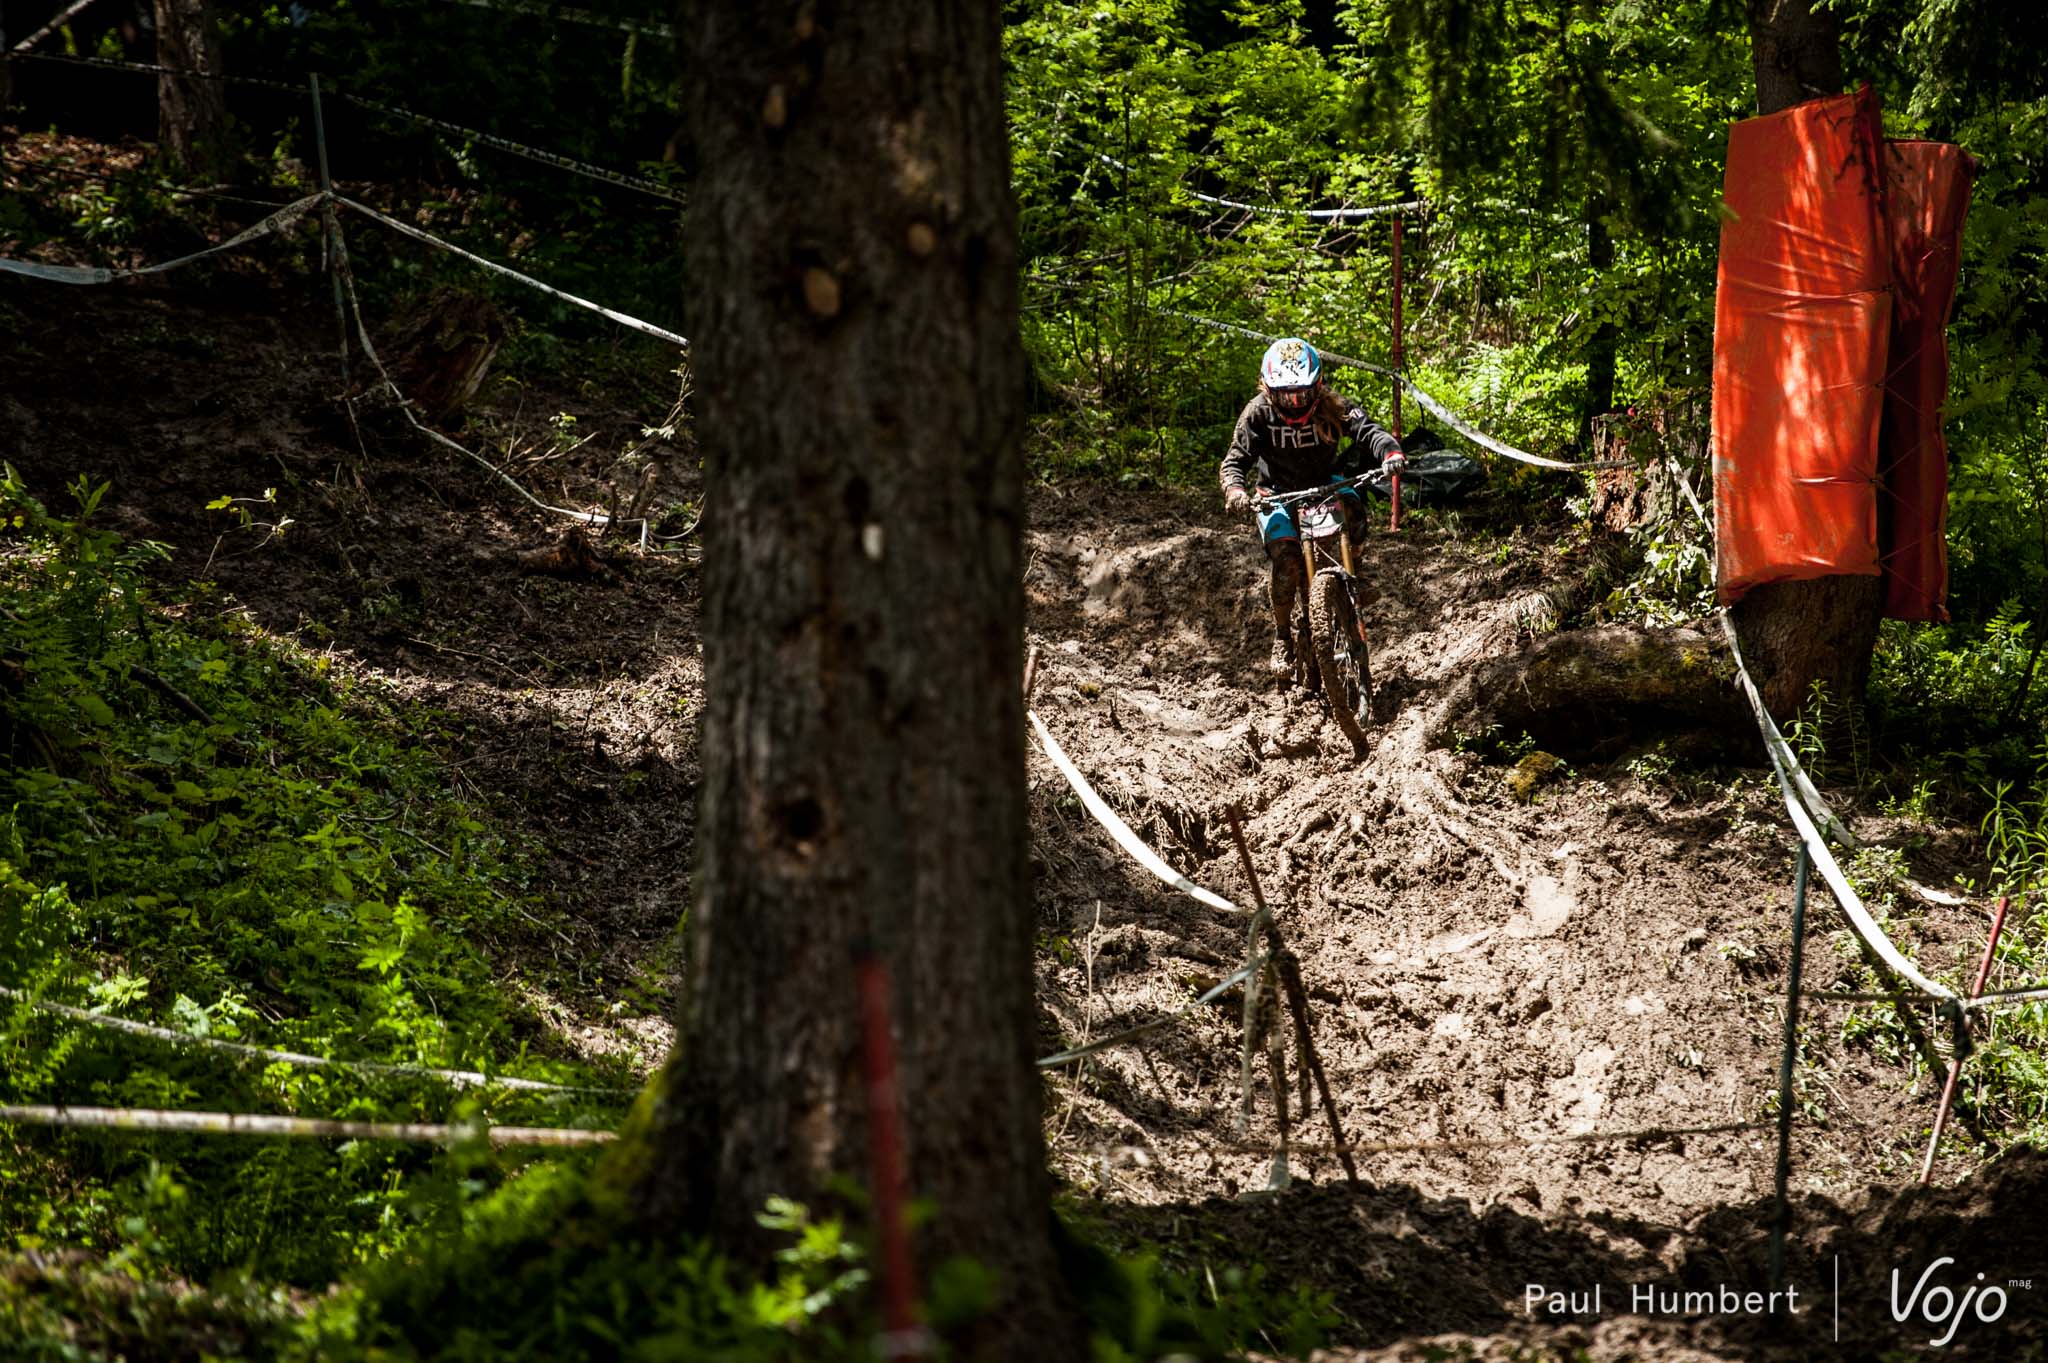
1342	661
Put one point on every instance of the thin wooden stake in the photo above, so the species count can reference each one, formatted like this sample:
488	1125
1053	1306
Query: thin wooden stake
1783	1217
335	249
1297	997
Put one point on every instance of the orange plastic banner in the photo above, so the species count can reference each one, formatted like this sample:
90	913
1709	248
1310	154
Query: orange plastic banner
1927	194
1802	317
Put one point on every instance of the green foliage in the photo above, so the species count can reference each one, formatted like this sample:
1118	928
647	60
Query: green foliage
2005	1084
67	1311
540	1271
1831	740
1674	583
2016	831
1494	744
202	833
1966	701
1214	1313
1573	179
1180	1301
537	1271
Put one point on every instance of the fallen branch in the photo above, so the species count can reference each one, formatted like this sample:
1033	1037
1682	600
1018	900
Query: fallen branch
255	1124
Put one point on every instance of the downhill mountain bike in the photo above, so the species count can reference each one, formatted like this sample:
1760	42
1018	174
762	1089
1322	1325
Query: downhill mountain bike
1331	654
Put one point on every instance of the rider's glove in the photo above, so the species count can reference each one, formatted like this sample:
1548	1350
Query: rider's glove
1395	462
1236	500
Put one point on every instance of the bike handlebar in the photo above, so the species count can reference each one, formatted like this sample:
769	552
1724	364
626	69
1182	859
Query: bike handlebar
1378	477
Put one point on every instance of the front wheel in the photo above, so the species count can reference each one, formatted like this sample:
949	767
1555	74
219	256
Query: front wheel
1342	660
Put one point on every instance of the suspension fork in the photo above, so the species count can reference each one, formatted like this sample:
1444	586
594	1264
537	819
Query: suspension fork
1350	574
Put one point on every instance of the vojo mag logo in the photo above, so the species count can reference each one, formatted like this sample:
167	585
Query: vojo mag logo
1930	1299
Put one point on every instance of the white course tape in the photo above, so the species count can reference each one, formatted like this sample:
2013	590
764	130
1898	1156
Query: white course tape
544	157
1782	756
1789	786
539	154
1120	830
113	65
459	1078
1216	991
283	219
1436	408
1484	441
623	319
573	16
405	408
1317	214
256	1124
1685	486
2007	998
64	17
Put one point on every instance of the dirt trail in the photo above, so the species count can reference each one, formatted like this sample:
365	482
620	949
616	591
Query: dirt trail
1606	958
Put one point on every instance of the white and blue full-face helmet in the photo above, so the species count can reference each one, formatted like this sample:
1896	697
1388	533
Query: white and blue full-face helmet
1292	375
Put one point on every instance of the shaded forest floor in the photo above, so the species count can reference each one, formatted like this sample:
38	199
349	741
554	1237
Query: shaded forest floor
1606	957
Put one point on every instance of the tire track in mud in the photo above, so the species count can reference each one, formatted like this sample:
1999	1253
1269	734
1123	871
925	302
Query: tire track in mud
1481	969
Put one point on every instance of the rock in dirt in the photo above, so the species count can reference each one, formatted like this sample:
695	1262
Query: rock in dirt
1547	906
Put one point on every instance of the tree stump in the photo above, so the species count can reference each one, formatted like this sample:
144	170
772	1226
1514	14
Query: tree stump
1642	492
442	348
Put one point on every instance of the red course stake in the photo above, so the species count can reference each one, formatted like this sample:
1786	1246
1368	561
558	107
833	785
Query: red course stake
1955	1065
903	1337
1395	490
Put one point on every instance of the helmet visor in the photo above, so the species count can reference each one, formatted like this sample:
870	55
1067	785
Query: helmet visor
1295	400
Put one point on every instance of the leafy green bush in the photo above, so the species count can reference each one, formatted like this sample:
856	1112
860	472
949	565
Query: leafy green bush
543	1270
204	833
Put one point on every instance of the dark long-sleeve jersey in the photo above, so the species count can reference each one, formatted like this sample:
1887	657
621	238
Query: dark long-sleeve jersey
1268	452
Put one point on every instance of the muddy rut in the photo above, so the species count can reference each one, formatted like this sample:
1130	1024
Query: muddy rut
1483	971
1487	974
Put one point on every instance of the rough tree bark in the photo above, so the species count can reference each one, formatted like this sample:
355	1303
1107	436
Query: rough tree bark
192	111
851	291
1796	50
1796	633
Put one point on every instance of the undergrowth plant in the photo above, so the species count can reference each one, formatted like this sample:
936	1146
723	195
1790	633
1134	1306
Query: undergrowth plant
2009	1074
204	831
2005	1080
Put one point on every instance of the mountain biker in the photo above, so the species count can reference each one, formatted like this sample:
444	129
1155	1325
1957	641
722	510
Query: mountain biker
1287	440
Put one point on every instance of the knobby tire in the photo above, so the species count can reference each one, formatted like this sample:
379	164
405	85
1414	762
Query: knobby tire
1340	657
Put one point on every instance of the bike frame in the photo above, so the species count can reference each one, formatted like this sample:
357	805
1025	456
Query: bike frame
1302	501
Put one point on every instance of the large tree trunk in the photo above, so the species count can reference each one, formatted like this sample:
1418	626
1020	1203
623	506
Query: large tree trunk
1796	49
1797	633
192	111
852	296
